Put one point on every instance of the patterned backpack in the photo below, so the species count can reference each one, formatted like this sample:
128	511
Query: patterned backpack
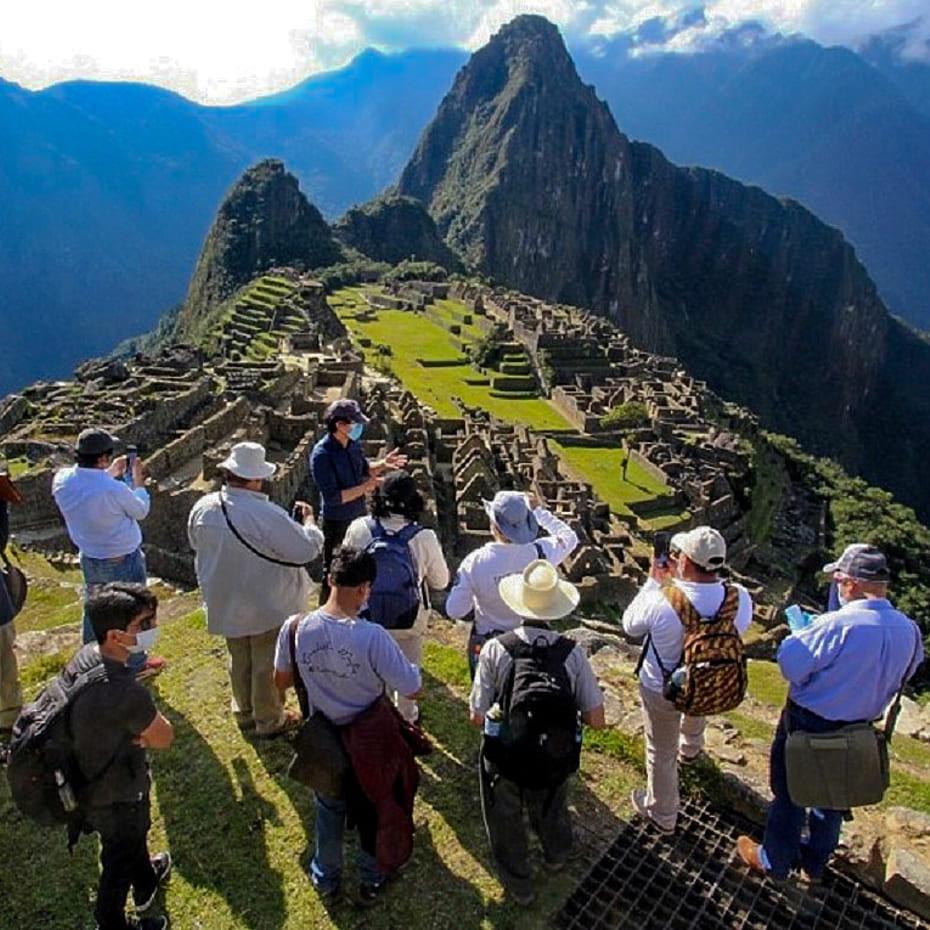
710	677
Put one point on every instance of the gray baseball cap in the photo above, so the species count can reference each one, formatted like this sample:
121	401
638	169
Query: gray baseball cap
511	514
861	561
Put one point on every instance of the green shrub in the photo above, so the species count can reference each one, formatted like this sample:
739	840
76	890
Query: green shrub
630	415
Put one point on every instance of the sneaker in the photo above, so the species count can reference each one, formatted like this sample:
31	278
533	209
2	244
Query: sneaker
162	867
330	896
154	665
638	800
684	759
748	851
369	894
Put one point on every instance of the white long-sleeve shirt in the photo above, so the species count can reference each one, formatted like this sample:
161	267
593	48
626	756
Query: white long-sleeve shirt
245	595
478	576
651	614
101	512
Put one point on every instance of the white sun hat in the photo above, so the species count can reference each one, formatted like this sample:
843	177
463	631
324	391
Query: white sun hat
538	592
247	460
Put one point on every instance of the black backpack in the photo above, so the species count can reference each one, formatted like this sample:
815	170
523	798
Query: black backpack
41	766
538	745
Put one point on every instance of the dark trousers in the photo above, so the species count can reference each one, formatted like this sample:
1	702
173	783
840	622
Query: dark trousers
334	531
124	860
785	822
475	642
503	804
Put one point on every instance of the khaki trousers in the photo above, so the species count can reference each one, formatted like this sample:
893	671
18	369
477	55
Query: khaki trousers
667	732
11	696
255	699
410	643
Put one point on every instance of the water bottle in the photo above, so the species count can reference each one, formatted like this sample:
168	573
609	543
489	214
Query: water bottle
493	720
65	792
676	683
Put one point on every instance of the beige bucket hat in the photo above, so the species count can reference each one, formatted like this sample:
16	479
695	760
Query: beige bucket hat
247	460
538	592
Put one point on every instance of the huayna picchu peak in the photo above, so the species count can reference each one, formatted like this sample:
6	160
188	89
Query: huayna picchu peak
264	220
528	177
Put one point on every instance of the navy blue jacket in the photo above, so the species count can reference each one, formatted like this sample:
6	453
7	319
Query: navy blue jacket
335	468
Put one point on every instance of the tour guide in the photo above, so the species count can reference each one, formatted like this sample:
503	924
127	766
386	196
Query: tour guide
344	476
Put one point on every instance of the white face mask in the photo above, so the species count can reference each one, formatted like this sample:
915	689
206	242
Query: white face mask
145	640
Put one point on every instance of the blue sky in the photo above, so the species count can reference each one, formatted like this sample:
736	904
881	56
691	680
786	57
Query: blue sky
225	51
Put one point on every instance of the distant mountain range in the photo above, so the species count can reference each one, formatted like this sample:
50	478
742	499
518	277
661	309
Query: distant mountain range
108	190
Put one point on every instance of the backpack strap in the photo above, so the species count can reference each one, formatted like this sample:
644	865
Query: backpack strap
539	550
376	528
690	618
303	699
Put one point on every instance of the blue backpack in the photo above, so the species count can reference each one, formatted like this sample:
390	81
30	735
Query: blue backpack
395	596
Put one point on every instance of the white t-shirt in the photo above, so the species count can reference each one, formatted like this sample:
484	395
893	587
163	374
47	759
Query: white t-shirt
476	583
651	614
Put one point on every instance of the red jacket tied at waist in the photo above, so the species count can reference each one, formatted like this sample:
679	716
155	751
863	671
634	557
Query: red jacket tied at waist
388	776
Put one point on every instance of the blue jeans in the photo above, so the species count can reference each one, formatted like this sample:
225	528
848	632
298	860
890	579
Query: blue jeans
101	571
326	865
786	820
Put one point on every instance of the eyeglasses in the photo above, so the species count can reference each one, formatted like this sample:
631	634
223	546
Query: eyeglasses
674	553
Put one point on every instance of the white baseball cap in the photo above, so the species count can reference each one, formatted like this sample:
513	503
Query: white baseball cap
703	545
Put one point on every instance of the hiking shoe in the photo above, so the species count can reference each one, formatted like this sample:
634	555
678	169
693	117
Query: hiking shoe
145	923
369	894
684	759
329	896
161	864
154	665
638	800
292	720
748	851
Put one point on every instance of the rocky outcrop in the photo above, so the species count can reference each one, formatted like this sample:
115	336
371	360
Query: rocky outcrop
265	221
528	177
392	229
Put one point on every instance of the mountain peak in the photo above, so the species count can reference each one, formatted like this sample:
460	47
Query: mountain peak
264	220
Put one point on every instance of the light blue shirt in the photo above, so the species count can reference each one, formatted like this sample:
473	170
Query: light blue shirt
101	513
849	664
345	665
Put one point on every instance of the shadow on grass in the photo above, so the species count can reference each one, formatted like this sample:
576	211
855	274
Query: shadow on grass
450	786
214	827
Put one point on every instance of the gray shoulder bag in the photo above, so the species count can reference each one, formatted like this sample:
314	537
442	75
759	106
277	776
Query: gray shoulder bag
844	768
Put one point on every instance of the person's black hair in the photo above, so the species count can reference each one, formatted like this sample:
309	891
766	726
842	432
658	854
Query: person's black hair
85	460
409	507
115	605
351	567
332	421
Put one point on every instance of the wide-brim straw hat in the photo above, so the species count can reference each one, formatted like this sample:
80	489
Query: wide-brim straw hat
538	592
247	461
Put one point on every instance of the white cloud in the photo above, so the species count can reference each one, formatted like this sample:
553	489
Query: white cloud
221	51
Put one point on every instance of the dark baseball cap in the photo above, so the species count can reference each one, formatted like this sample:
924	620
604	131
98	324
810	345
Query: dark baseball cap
344	409
95	441
861	561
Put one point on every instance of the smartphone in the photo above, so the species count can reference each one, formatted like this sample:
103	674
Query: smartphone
132	453
660	548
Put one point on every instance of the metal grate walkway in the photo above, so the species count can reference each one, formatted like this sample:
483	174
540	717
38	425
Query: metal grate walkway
689	881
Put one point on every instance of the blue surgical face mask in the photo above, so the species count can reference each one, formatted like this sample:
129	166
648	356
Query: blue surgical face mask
355	431
145	640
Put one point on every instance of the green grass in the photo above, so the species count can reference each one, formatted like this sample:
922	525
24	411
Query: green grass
412	336
750	727
240	831
18	466
766	683
601	467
